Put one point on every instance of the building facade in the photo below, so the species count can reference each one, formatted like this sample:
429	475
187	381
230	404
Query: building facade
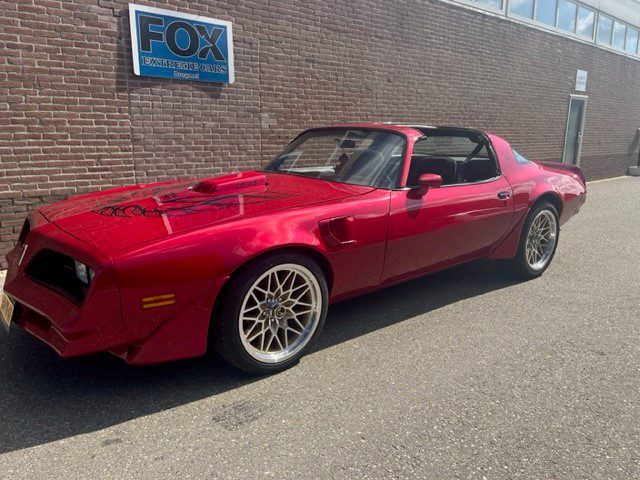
74	118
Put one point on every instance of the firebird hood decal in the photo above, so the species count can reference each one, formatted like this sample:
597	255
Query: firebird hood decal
118	220
78	205
183	203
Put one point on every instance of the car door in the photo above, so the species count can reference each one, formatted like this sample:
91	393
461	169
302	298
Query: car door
448	225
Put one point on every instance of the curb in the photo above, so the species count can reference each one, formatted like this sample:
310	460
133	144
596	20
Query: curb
608	179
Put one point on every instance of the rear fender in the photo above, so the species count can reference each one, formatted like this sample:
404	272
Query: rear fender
575	171
509	246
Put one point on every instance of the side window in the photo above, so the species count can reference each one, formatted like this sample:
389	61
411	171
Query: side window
458	159
519	158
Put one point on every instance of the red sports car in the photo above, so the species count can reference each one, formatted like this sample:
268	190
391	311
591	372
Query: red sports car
249	262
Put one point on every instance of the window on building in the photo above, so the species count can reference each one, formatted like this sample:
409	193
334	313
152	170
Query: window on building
571	16
546	11
631	44
567	15
495	4
605	29
586	21
619	31
524	8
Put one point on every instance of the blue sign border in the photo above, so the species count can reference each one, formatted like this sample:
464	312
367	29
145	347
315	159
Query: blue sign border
182	68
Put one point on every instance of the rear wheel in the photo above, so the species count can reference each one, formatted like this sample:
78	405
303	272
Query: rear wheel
538	241
271	312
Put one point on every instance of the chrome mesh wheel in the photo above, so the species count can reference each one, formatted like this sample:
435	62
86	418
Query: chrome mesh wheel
280	313
541	240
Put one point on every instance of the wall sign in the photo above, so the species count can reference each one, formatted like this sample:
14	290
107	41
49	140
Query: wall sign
170	44
581	80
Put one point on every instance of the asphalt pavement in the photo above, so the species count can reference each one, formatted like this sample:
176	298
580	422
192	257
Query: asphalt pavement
464	374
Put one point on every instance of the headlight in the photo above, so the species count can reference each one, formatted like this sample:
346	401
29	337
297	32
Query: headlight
84	273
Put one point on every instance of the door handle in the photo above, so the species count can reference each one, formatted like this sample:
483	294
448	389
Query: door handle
504	194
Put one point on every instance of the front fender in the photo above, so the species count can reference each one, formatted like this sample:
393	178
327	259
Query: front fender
193	267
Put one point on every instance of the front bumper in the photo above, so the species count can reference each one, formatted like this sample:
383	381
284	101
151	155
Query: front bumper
70	328
110	319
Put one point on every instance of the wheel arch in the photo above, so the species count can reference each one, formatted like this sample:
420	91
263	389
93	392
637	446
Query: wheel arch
306	250
552	197
509	246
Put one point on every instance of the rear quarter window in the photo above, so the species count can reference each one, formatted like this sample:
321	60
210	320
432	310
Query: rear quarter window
519	158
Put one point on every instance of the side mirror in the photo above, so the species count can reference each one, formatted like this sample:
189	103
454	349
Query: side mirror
427	181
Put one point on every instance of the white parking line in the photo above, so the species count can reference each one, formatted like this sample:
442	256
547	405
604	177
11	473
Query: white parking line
608	179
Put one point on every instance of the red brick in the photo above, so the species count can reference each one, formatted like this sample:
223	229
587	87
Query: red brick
73	122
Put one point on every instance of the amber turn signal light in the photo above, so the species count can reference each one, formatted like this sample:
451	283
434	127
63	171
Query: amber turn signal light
158	301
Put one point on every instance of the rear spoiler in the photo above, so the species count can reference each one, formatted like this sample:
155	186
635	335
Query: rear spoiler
564	167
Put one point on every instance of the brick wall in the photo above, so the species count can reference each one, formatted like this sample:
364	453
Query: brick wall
74	118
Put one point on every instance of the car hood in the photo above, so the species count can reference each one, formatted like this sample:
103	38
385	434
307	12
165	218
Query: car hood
115	220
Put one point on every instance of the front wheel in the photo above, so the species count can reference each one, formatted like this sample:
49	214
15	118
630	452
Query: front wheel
270	313
538	241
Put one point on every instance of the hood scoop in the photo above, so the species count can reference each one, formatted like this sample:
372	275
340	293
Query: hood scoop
233	184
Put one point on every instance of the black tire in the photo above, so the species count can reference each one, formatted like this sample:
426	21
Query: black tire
519	264
225	334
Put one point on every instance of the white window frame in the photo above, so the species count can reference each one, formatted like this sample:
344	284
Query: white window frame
522	17
626	37
610	43
595	19
593	40
613	34
555	14
575	17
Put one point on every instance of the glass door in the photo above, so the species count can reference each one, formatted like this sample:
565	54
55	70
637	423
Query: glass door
575	127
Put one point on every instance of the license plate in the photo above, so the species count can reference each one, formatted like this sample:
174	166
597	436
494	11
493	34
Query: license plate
6	310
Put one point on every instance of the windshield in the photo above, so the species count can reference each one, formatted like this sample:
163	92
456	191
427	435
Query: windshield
360	157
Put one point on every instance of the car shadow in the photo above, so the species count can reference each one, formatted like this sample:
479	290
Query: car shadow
45	398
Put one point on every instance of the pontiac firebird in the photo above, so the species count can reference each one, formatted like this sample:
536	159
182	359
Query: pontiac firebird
248	263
